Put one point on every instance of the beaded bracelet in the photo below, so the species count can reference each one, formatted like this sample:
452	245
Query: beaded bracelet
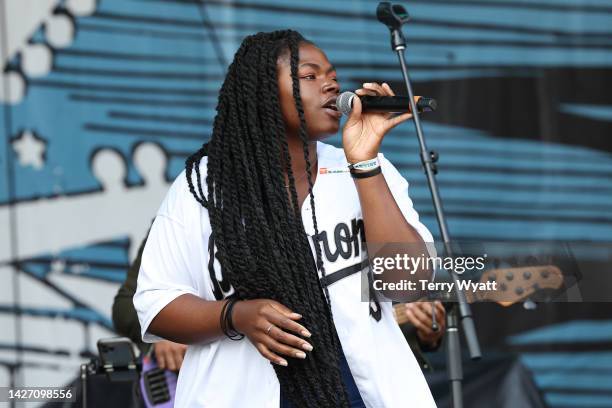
365	165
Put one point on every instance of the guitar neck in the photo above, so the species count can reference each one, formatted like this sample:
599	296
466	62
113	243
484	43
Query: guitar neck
513	285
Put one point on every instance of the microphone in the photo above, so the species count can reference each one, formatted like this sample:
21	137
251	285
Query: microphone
393	104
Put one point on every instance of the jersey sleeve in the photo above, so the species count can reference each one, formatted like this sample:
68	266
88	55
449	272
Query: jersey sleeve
166	271
399	189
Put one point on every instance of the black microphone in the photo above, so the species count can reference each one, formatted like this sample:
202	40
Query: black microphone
392	104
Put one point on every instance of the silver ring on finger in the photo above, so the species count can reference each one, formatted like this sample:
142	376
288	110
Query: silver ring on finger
268	329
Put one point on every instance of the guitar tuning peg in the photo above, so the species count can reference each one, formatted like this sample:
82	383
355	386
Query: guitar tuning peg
530	305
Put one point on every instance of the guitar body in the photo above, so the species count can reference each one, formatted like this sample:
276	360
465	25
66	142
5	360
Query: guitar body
158	386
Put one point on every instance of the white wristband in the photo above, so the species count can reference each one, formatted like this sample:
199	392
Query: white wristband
366	164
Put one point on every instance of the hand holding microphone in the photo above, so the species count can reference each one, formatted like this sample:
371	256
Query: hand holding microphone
370	120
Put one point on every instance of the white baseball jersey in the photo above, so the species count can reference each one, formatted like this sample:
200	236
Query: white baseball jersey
230	374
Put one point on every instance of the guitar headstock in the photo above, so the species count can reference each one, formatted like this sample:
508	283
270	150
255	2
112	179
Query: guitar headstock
516	284
513	285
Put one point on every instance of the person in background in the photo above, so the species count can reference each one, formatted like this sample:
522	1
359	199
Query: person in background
169	355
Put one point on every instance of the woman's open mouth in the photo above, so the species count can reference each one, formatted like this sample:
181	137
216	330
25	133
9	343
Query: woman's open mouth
330	108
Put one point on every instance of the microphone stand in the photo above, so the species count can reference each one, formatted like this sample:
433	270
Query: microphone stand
394	16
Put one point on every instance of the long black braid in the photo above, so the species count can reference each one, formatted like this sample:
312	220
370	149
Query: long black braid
261	242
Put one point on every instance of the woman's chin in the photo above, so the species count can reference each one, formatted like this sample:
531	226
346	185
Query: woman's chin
324	130
324	135
330	130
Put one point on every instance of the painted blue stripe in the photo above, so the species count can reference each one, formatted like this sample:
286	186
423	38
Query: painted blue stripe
477	228
109	254
575	22
170	128
515	161
562	400
78	313
543	181
575	380
37	270
465	138
580	3
207	71
484	210
177	61
596	112
104	275
468	230
182	111
568	361
166	83
524	197
96	40
570	332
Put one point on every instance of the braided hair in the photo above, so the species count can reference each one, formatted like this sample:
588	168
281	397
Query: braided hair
261	243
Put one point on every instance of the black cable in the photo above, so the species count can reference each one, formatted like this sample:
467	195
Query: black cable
216	43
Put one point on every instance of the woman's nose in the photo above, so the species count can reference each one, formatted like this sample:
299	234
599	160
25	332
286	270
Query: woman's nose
331	86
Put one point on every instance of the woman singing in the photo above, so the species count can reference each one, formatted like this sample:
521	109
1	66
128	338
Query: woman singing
254	256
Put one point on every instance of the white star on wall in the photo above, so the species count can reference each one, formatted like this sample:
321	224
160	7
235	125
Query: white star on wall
30	150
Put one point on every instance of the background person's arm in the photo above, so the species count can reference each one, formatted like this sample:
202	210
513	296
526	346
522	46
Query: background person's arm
125	318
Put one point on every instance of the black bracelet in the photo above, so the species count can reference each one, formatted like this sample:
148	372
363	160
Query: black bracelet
226	322
227	325
222	317
366	174
234	334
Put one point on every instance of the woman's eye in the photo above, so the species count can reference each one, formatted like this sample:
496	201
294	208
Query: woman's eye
308	77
